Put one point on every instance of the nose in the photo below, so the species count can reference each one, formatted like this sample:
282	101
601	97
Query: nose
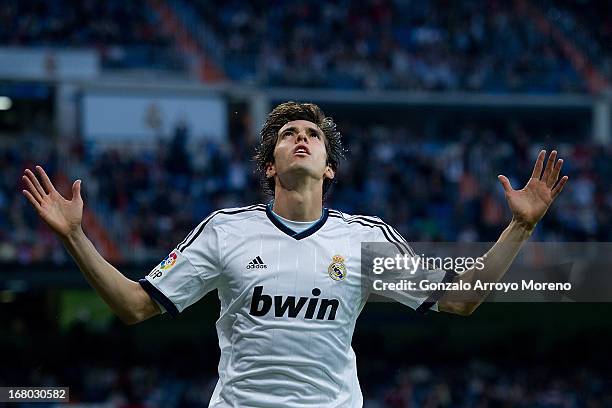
302	137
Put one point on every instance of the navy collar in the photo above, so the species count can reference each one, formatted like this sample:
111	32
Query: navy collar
293	234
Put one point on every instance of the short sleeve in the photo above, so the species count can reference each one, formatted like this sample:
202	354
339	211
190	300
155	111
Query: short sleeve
388	243
188	273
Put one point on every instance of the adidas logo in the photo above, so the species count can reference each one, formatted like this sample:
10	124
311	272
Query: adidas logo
256	263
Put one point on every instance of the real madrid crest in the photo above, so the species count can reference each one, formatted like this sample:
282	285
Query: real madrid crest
337	269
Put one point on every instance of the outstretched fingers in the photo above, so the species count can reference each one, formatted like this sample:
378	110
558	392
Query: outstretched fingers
549	166
559	187
505	183
45	179
31	199
34	180
539	164
32	189
554	176
76	190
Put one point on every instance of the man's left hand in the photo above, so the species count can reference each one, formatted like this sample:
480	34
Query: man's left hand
529	204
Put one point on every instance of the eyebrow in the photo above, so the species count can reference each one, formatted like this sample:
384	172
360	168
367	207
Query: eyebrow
308	130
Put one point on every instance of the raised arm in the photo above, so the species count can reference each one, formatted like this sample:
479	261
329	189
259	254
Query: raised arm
528	206
126	298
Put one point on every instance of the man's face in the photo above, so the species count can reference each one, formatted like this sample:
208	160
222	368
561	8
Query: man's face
300	152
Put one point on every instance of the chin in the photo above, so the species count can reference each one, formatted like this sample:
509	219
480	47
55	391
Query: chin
301	170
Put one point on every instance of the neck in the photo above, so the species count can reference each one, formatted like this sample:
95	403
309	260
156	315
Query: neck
296	205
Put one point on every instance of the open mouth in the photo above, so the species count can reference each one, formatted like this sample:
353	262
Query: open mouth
301	151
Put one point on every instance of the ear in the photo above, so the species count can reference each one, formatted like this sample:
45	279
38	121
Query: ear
329	172
270	170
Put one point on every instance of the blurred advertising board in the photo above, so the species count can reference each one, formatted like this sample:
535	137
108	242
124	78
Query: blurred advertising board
48	63
143	116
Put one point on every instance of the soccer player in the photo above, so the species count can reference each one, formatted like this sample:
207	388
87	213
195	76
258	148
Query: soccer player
287	273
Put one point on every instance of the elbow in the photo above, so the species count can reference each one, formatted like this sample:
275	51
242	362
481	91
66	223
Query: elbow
140	308
459	308
468	309
130	318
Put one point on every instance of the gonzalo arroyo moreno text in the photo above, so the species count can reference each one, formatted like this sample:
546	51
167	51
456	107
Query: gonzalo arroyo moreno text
413	264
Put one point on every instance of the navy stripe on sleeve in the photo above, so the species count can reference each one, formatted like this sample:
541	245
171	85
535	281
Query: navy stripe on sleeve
434	297
160	297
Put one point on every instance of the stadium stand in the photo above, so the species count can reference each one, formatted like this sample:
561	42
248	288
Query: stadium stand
378	44
384	44
108	367
149	200
125	33
589	24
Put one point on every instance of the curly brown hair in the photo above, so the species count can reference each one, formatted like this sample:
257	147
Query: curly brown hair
287	112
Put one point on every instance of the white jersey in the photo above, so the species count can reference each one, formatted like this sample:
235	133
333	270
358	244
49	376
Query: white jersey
289	302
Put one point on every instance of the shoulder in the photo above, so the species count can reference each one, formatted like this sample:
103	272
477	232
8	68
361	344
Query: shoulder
368	224
220	218
235	214
356	220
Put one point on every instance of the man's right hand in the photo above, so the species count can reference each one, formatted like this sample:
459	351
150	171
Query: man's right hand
126	298
63	216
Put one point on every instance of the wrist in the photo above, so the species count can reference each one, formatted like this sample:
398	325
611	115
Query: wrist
525	226
73	235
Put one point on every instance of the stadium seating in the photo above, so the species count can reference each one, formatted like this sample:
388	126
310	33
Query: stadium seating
106	369
125	33
385	44
150	200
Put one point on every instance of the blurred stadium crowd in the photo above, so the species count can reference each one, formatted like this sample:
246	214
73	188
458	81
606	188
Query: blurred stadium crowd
374	44
385	44
479	385
108	369
430	189
588	24
125	33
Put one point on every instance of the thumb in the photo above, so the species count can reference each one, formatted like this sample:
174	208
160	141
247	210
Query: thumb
76	189
505	183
